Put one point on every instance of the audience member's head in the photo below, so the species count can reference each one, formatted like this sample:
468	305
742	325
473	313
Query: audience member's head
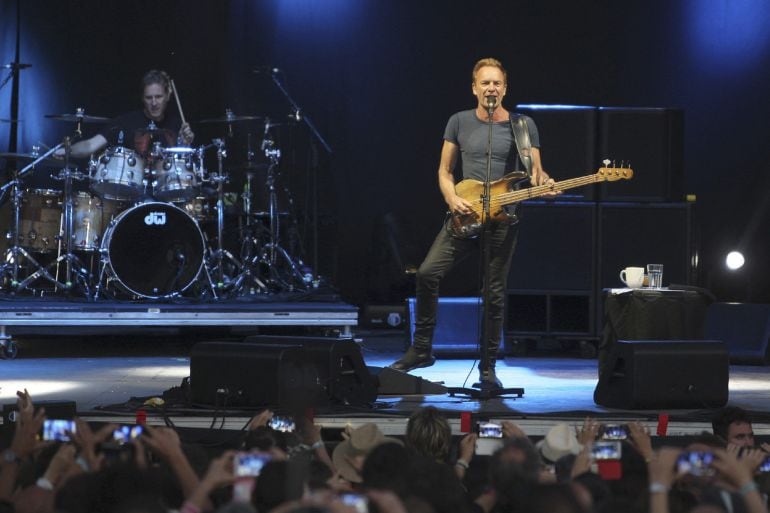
350	454
428	433
733	425
514	468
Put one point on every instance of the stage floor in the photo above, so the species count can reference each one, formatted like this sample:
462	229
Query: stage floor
99	372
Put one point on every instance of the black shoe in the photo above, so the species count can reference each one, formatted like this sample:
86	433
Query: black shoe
414	359
488	380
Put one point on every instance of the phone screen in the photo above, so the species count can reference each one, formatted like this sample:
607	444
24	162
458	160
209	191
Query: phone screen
696	463
250	463
359	502
606	450
58	429
614	432
284	424
125	434
490	430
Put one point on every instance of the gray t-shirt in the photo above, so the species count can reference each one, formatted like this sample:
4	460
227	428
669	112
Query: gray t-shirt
471	134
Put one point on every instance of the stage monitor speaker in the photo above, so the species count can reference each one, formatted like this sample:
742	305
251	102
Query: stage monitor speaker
393	382
744	328
571	129
556	247
652	142
654	374
339	365
236	374
458	325
637	234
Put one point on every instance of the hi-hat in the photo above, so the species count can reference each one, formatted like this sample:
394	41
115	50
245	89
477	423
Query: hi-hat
78	118
153	130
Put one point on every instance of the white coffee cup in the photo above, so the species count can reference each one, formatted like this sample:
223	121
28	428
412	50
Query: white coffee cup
633	277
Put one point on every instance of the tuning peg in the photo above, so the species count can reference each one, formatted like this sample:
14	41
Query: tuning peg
606	162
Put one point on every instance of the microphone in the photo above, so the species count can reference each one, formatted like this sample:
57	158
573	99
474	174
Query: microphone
491	104
266	70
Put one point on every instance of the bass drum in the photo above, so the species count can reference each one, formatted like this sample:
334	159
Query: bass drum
154	250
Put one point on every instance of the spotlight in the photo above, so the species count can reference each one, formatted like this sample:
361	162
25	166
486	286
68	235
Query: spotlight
734	260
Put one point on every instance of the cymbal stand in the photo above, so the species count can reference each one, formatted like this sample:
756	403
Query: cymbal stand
272	250
220	254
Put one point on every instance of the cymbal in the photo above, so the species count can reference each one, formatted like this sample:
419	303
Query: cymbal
231	118
75	118
153	130
179	150
26	158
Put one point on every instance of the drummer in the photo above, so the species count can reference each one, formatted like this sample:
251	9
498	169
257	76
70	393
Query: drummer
139	130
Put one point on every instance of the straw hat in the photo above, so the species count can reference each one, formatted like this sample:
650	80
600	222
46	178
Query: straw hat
360	442
559	441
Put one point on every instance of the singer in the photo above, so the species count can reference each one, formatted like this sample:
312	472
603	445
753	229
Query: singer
467	137
137	130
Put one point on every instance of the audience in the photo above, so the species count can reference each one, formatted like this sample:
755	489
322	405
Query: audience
592	469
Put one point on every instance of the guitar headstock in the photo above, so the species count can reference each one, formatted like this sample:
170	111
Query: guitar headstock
612	174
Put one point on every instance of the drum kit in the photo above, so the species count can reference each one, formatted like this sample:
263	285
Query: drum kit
150	226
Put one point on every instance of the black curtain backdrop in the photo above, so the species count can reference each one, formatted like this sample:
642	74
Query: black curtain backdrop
380	79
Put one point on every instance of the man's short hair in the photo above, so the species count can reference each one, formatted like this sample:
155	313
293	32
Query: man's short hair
720	424
156	76
489	61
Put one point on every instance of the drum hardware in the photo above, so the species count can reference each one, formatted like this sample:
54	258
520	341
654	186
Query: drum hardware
219	257
79	117
73	267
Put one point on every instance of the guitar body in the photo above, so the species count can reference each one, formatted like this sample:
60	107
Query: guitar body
469	225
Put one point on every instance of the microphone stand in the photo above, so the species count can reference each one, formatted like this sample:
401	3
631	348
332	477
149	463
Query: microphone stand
486	390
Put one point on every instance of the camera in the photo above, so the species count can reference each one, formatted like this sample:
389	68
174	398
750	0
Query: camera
283	424
609	450
249	464
490	430
58	429
127	433
613	431
697	463
359	502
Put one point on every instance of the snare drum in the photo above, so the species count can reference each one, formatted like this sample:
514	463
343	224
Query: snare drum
176	174
154	250
40	220
118	174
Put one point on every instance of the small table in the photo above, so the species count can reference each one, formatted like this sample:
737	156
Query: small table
651	314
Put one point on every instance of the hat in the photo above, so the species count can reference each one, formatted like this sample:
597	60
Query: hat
360	442
559	441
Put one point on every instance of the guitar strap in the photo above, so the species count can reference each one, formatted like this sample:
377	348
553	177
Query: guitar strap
523	144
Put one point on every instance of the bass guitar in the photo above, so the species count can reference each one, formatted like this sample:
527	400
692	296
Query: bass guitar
501	193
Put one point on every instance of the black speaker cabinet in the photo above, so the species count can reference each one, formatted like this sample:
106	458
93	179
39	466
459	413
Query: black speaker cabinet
338	363
637	234
654	374
569	135
744	328
236	374
652	141
556	247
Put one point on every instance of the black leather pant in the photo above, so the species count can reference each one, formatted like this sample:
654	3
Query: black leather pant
447	251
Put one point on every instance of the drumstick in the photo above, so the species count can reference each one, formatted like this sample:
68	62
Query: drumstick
178	103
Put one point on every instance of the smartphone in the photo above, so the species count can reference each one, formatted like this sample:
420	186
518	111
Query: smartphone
490	430
249	464
284	424
765	465
58	429
606	450
127	433
359	502
613	432
697	463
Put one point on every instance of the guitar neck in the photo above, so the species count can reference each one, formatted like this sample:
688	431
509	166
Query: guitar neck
507	198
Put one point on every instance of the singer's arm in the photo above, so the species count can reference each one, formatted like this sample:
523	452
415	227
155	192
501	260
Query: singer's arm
84	148
446	179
